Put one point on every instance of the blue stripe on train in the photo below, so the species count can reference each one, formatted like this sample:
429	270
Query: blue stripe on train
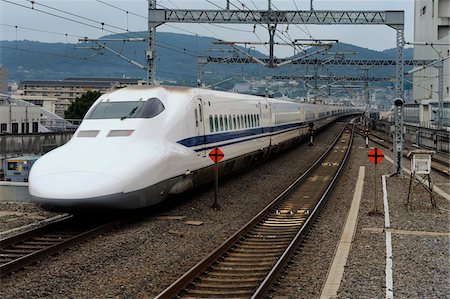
228	136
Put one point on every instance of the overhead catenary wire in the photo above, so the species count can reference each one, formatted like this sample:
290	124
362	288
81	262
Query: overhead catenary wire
41	30
65	18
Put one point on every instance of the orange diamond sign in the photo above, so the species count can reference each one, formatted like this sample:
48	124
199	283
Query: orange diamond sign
375	155
216	155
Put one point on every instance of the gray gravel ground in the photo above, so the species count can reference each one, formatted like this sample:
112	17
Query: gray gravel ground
421	264
16	214
143	258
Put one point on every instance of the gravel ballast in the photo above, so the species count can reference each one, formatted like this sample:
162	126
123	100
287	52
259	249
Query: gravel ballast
143	258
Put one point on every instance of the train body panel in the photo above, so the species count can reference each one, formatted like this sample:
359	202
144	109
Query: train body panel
137	145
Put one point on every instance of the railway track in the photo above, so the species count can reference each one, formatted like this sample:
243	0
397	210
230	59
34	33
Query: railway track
32	245
438	163
247	264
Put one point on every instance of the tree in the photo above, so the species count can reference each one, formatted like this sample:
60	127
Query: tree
81	105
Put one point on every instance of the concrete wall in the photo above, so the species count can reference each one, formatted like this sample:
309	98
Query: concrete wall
30	144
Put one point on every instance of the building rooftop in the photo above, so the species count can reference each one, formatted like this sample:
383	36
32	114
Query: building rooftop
85	82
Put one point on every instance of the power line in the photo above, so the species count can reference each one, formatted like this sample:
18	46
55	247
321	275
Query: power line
76	15
64	18
65	56
40	30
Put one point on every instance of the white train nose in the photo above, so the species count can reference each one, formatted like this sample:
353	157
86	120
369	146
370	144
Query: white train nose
74	185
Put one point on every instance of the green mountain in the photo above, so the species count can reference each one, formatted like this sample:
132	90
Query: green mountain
177	60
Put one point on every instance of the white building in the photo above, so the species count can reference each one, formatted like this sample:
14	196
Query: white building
18	118
431	25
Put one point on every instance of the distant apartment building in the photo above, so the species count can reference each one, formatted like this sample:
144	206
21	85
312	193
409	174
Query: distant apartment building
3	79
57	95
431	25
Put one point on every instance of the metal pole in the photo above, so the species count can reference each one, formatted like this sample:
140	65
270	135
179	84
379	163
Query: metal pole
398	110
271	44
216	205
375	208
151	51
440	112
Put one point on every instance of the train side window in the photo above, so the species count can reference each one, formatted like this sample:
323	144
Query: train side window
257	119
211	124
221	122
238	122
216	123
234	121
200	110
196	117
245	121
225	120
230	121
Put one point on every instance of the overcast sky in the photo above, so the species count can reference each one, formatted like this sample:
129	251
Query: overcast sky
32	24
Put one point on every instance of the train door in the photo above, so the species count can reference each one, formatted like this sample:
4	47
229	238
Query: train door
200	126
264	115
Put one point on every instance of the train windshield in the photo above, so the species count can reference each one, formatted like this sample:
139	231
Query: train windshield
123	110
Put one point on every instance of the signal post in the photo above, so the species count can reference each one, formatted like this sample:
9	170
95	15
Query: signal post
216	155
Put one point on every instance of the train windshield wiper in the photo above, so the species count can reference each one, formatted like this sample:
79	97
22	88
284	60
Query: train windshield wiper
129	114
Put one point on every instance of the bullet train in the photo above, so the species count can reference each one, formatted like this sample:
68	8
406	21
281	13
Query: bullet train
138	145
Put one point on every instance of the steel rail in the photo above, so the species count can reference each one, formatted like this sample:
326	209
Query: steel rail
187	278
32	231
53	245
438	165
273	274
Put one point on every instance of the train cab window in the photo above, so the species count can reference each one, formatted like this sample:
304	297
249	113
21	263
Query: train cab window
130	109
216	123
211	124
226	122
221	122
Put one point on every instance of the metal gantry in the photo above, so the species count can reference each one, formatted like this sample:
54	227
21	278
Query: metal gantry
272	18
331	62
333	78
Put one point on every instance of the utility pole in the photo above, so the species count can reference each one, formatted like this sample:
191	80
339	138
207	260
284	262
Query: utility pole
151	51
440	113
